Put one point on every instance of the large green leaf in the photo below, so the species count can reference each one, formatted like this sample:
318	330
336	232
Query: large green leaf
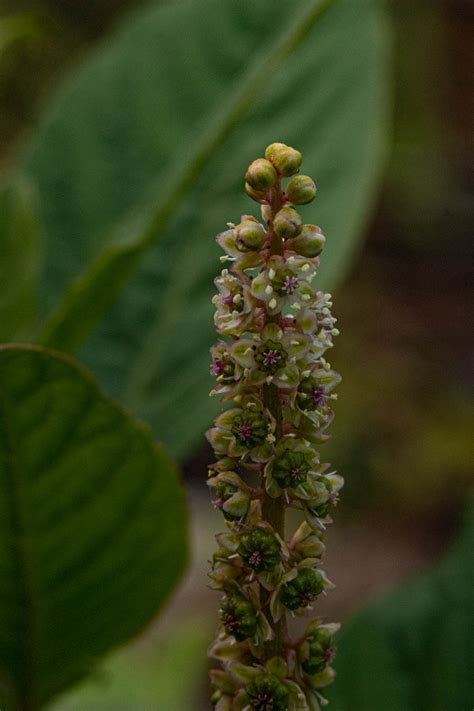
413	650
19	261
154	135
92	525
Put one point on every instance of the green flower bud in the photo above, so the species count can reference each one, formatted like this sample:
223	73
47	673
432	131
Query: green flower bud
322	510
291	468
309	243
307	543
259	550
261	174
232	501
249	235
274	149
277	666
286	160
257	195
287	223
301	190
230	495
239	616
323	505
266	691
271	356
224	490
302	590
237	506
318	650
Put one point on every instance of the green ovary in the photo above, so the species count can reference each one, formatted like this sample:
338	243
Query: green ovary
239	617
270	357
291	469
250	429
267	693
321	651
302	590
259	550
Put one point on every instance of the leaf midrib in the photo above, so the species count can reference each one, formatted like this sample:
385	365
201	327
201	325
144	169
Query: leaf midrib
244	96
23	555
241	100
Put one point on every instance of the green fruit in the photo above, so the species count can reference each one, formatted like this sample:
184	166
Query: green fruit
287	223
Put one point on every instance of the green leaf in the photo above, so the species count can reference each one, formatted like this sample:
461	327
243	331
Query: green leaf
413	650
20	260
92	525
154	135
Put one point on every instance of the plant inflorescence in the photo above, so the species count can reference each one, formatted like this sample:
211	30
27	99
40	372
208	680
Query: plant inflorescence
270	365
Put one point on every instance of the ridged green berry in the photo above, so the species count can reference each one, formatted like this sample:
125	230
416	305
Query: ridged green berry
266	691
291	468
249	428
302	590
259	550
239	616
310	241
301	189
287	223
261	174
320	651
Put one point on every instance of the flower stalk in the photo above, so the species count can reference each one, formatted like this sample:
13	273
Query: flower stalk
273	509
269	365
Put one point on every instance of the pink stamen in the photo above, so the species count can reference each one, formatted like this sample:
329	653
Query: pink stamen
271	357
290	284
245	431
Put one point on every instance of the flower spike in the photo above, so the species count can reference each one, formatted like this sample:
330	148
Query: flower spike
269	363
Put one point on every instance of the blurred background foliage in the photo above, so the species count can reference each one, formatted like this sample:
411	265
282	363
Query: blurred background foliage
404	419
125	184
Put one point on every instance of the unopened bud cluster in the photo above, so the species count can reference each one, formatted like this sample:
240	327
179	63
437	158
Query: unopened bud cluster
270	365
